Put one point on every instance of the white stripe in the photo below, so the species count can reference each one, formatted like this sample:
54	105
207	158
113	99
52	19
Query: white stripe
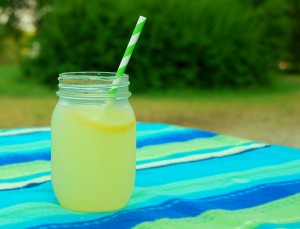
141	19
124	61
116	81
198	157
24	131
21	184
134	39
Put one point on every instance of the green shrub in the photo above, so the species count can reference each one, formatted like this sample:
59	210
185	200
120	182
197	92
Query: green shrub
204	43
294	41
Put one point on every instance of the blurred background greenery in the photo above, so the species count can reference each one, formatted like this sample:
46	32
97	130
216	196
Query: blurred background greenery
230	66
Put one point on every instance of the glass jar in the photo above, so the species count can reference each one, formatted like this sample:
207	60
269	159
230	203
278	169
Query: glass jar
93	131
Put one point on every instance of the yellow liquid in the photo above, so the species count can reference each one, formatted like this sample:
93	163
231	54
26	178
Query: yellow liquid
93	156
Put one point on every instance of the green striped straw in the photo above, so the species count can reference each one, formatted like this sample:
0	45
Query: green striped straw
129	50
131	45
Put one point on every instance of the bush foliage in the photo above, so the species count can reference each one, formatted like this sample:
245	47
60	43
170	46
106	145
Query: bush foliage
200	43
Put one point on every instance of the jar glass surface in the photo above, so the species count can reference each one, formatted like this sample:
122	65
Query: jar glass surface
93	132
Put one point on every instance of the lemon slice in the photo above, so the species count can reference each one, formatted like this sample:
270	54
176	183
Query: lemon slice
103	127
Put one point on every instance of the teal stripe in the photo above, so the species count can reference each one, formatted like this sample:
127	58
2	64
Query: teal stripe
158	131
228	179
28	211
283	210
251	159
161	198
143	202
36	213
60	219
41	210
23	153
142	126
215	185
43	192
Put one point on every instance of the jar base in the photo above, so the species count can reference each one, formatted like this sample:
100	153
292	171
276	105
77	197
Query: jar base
81	209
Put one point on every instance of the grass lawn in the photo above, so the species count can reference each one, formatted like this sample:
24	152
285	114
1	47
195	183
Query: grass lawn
270	115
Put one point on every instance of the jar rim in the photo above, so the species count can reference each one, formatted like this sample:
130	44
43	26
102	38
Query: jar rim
94	74
90	85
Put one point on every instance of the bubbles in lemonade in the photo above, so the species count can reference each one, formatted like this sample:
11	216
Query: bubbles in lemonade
93	155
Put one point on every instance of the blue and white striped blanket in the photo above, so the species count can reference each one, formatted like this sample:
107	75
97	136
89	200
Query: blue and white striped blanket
186	178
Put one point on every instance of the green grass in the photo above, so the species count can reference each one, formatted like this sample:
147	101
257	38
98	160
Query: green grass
269	114
12	84
282	83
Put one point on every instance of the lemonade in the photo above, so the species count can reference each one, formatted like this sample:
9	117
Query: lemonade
93	155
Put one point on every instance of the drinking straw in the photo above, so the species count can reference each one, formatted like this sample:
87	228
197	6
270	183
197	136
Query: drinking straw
128	52
131	45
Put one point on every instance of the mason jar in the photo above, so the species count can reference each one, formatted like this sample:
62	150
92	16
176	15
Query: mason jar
93	134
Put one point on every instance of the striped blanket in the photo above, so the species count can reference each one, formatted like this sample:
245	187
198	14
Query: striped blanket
186	178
